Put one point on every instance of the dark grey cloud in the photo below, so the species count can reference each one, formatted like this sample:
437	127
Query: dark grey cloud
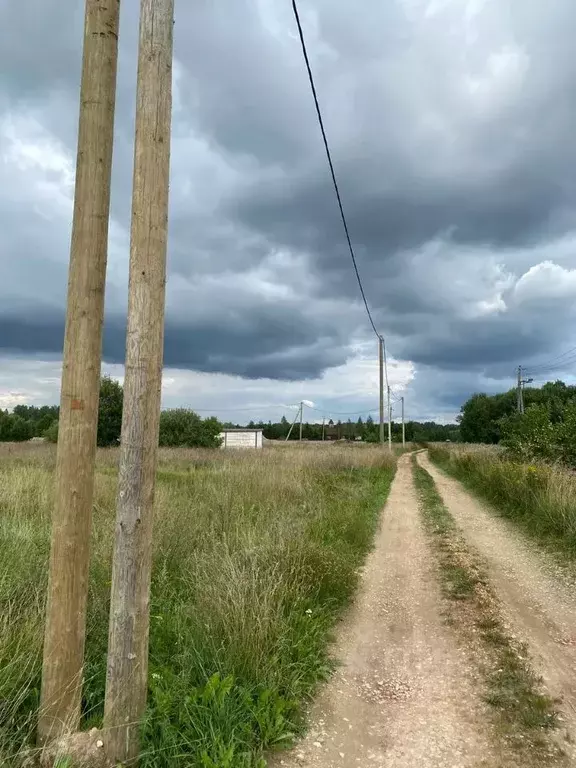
451	126
291	346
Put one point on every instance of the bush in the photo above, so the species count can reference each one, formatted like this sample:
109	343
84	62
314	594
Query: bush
110	412
181	427
51	434
531	435
537	436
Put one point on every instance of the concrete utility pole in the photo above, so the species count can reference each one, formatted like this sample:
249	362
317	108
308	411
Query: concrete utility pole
520	390
403	425
127	672
381	365
71	520
301	416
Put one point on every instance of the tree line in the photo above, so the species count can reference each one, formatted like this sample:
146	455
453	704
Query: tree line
184	427
365	430
178	426
546	430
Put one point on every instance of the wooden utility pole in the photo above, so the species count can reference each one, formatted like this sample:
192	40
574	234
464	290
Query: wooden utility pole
389	421
71	520
301	417
294	422
127	673
381	365
403	425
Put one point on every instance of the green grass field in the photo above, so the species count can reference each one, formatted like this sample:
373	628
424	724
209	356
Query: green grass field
255	557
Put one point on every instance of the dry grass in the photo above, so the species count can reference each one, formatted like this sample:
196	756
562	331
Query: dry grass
255	555
539	497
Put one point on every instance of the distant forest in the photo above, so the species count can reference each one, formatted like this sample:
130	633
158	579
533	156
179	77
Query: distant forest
365	430
184	427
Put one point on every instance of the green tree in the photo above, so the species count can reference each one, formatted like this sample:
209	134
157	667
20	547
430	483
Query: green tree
20	429
51	434
181	427
110	412
530	435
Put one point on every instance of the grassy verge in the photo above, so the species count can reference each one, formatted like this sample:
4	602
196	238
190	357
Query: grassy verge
538	497
523	715
255	557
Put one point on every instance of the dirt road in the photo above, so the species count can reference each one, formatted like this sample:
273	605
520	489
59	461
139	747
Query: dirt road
405	696
538	599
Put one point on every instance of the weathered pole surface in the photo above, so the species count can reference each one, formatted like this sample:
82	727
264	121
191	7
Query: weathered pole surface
389	421
381	368
127	673
71	520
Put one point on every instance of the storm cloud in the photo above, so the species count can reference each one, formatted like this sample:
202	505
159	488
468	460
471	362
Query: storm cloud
451	124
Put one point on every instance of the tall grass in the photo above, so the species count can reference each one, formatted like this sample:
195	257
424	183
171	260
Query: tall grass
255	555
539	497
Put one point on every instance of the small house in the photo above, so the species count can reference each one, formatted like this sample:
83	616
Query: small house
242	438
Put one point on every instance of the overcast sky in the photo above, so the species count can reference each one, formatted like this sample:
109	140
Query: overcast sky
452	127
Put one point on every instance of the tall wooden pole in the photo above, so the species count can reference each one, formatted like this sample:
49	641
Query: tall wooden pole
71	520
389	421
381	366
292	425
301	417
127	672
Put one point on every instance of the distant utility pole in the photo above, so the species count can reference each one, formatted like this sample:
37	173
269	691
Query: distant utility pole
301	416
519	398
71	520
403	425
389	422
127	669
381	365
520	390
293	423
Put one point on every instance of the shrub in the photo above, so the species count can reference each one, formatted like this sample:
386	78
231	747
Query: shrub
181	427
51	434
110	412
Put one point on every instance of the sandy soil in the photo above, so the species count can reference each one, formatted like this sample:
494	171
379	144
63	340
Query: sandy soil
538	598
404	696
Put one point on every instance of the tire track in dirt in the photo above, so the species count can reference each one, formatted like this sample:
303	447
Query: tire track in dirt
538	599
404	695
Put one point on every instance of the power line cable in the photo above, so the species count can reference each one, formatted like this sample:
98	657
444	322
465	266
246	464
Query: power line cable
553	362
551	369
331	164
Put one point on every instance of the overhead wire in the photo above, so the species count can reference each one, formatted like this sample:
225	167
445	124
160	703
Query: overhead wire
344	224
553	363
331	164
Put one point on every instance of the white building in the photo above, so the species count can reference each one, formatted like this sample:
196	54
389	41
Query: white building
242	438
